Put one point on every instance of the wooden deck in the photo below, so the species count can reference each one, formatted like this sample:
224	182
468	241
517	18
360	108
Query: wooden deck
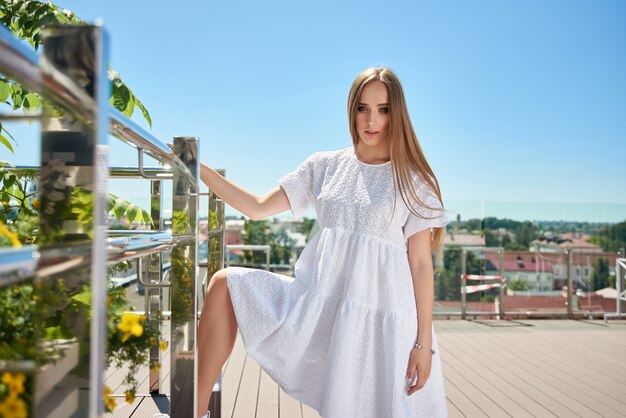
492	368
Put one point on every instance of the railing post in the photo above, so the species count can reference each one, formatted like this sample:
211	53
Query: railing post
501	295
619	282
215	261
463	283
154	296
184	290
570	283
75	161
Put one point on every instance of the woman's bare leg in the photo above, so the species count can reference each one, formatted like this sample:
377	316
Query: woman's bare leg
217	331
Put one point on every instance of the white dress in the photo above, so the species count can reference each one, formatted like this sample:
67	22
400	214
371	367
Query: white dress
338	336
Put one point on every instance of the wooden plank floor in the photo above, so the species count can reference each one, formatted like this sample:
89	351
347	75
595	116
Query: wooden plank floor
492	368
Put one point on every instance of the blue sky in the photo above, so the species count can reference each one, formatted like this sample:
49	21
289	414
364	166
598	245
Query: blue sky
513	101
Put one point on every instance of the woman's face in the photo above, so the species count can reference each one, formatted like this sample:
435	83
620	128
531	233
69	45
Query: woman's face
372	114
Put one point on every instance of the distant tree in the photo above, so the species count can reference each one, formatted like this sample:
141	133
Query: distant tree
600	274
305	226
281	247
473	224
449	286
518	284
491	238
505	240
612	238
525	233
256	233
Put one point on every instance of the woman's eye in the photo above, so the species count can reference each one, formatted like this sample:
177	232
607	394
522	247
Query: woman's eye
384	110
361	108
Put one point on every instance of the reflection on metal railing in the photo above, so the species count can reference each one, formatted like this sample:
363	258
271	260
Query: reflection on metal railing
66	272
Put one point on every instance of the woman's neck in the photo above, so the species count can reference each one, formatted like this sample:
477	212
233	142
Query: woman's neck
368	154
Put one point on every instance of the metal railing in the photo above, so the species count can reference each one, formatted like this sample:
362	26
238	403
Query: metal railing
620	273
72	74
555	277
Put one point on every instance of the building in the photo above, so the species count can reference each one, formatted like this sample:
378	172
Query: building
549	243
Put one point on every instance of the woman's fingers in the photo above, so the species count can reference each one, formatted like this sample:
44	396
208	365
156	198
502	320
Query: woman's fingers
418	373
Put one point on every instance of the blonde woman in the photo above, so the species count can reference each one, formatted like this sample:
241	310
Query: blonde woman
352	334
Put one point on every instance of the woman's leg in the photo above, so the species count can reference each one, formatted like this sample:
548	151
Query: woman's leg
217	331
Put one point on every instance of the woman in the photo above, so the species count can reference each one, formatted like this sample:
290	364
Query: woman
342	336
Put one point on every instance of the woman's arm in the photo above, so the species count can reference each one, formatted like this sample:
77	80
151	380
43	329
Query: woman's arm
420	261
253	206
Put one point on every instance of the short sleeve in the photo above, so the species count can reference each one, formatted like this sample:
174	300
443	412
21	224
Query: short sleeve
299	187
415	224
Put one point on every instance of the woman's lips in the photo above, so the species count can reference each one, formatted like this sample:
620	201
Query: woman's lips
371	133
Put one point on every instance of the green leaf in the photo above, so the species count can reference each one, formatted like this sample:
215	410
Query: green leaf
144	111
132	212
84	297
111	202
4	141
146	216
17	96
139	217
31	102
120	208
122	99
5	90
9	182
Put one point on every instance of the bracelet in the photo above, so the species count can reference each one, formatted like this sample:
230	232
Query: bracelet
418	346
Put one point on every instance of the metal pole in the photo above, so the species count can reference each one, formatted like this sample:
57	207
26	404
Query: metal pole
501	296
570	312
463	283
619	282
153	296
185	283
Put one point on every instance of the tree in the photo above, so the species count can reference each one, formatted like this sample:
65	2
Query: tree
525	233
491	239
449	285
518	284
612	238
256	233
505	241
306	226
600	274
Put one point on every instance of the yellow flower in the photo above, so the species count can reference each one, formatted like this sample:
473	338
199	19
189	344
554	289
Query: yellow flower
130	396
109	401
36	203
130	325
13	407
152	341
156	367
163	345
15	382
10	235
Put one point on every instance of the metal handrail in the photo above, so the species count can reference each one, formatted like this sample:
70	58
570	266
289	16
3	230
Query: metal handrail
21	264
22	64
160	173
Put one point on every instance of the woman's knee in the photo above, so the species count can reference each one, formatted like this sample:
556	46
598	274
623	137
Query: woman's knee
218	282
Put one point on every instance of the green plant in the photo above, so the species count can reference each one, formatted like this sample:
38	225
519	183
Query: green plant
131	337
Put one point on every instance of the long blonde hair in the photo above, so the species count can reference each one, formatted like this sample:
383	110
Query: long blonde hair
406	153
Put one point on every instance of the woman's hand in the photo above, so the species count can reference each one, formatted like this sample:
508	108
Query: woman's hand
420	364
